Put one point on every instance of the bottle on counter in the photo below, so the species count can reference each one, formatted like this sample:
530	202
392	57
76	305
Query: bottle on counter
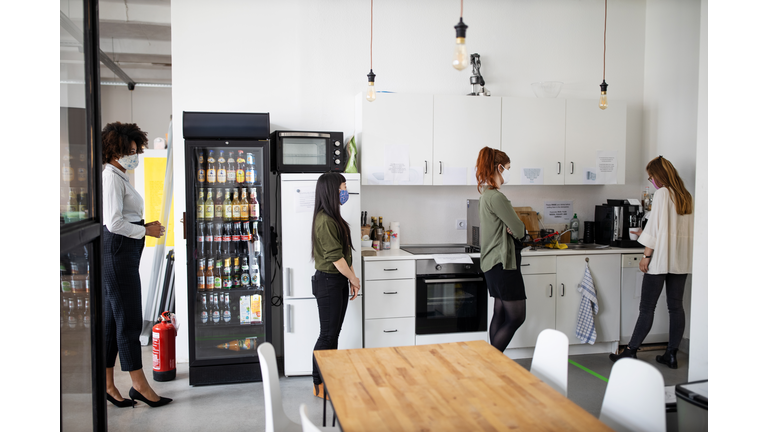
574	225
375	242
387	245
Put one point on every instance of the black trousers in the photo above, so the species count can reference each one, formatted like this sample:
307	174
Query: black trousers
122	295
332	294
651	291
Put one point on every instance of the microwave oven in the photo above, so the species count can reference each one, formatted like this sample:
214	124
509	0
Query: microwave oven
307	152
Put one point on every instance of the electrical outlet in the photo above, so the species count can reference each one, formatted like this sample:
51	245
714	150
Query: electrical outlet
461	224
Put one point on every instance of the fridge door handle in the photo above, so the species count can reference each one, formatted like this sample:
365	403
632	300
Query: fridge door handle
288	282
289	320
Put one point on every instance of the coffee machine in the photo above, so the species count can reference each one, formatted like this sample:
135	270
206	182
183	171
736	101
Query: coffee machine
613	221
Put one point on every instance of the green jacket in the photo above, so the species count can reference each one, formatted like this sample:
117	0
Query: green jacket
496	245
328	244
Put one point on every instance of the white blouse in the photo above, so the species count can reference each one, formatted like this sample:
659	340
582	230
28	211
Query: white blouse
670	235
122	204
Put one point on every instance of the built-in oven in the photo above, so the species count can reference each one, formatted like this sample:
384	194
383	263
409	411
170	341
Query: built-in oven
450	298
307	152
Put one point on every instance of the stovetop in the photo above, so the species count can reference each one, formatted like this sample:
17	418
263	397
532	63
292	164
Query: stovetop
440	249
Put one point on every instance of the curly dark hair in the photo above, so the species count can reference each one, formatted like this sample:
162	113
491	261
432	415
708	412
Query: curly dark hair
116	140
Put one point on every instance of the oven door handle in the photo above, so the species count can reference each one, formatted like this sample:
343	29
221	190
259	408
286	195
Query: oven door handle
453	280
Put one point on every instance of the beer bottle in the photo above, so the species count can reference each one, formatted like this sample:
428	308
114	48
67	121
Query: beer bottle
231	169
209	282
217	276
255	276
244	205
380	231
216	316
256	240
254	205
235	206
227	274
245	274
227	206
200	168
227	313
238	345
211	171
240	174
217	239
204	306
221	172
218	206
201	206
236	272
226	238
201	275
250	170
209	205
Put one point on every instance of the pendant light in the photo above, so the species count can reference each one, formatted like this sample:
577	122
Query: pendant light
604	85
460	57
371	92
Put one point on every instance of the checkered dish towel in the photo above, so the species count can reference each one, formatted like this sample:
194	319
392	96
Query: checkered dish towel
585	327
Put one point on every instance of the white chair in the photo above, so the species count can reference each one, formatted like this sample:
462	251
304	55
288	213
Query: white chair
550	359
634	398
276	419
306	423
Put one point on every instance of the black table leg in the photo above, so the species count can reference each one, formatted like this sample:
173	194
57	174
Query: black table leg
325	400
334	418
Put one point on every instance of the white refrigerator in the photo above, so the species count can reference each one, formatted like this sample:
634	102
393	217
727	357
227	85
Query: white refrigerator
301	324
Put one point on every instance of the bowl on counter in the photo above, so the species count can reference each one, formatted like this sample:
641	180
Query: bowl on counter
547	89
366	243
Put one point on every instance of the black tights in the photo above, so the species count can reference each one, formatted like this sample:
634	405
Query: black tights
508	316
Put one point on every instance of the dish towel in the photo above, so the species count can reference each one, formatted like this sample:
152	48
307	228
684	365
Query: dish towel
585	327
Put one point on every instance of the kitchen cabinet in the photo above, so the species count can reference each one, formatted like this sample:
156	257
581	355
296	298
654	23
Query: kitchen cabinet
551	285
394	119
588	129
389	303
463	125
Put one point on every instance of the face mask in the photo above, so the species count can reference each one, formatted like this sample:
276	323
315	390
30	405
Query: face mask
505	176
129	162
343	196
653	182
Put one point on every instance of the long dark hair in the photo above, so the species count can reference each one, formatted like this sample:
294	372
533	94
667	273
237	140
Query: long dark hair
327	200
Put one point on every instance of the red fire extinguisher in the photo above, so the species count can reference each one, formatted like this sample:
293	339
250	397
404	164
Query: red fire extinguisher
164	348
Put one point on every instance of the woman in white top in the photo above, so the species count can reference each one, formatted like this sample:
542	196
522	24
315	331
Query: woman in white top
123	243
668	256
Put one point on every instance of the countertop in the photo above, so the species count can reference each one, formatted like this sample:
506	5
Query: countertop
400	254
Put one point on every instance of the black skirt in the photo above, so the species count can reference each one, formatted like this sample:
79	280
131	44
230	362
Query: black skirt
506	284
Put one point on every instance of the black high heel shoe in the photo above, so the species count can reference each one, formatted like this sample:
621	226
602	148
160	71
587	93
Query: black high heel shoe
125	403
136	395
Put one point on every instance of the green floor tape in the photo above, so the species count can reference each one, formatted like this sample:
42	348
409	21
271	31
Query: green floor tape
587	370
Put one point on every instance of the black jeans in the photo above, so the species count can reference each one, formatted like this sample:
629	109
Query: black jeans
332	294
651	290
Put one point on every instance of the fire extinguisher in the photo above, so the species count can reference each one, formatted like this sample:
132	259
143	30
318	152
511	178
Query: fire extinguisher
164	348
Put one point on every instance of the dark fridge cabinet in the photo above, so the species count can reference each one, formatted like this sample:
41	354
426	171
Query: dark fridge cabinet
227	237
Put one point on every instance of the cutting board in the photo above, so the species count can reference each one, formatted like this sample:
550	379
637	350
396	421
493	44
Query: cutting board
530	219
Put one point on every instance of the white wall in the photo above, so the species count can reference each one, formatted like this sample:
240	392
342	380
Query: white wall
148	107
304	61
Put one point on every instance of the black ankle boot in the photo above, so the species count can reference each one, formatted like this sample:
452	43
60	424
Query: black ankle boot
628	352
669	358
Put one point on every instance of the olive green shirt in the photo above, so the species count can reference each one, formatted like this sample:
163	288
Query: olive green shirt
328	247
496	245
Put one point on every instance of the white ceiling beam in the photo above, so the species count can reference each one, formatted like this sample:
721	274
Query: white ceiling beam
140	12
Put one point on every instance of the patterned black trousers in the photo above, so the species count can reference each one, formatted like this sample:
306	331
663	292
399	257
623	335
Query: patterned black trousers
122	299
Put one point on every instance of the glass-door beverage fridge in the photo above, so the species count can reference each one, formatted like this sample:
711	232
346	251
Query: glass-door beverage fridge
226	227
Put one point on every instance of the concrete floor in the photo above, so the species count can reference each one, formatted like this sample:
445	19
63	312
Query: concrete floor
241	406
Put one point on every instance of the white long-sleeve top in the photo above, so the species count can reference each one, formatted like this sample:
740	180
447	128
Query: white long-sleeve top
670	235
121	204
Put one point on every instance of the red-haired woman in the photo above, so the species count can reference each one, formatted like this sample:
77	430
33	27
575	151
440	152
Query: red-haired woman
668	257
499	255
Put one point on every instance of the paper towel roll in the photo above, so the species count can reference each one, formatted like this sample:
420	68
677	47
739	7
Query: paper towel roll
395	228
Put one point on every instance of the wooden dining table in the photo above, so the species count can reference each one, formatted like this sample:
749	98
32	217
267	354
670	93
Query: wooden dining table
461	386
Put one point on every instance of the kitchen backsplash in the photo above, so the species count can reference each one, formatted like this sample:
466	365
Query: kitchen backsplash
427	214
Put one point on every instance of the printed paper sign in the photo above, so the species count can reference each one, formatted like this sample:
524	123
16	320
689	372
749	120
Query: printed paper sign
590	176
396	158
532	176
558	212
304	201
607	167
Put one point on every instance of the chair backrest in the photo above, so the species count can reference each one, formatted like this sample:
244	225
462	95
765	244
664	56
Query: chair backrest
634	398
276	419
550	359
306	423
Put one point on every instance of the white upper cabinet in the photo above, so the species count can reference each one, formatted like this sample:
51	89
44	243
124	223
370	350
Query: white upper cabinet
462	126
533	136
394	123
590	131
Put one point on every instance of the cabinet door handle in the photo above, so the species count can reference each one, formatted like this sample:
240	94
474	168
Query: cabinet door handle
425	167
390	331
571	167
563	292
441	167
525	265
289	320
551	290
390	292
394	269
558	168
287	282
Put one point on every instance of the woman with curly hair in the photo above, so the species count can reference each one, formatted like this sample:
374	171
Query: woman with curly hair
124	232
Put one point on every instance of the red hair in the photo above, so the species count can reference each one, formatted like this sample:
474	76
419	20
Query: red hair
487	161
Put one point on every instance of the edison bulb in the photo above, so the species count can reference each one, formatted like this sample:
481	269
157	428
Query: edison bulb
371	94
603	100
460	57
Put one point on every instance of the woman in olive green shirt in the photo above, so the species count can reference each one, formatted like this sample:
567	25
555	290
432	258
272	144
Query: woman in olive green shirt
500	229
332	253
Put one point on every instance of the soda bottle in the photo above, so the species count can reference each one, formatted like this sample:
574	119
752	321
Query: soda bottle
235	246
217	239
227	206
211	171
245	235
218	206
227	314
226	239
231	169
201	206
254	205
209	239
200	239
209	281
250	170
216	315
221	169
201	275
204	312
209	205
240	174
245	274
200	168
